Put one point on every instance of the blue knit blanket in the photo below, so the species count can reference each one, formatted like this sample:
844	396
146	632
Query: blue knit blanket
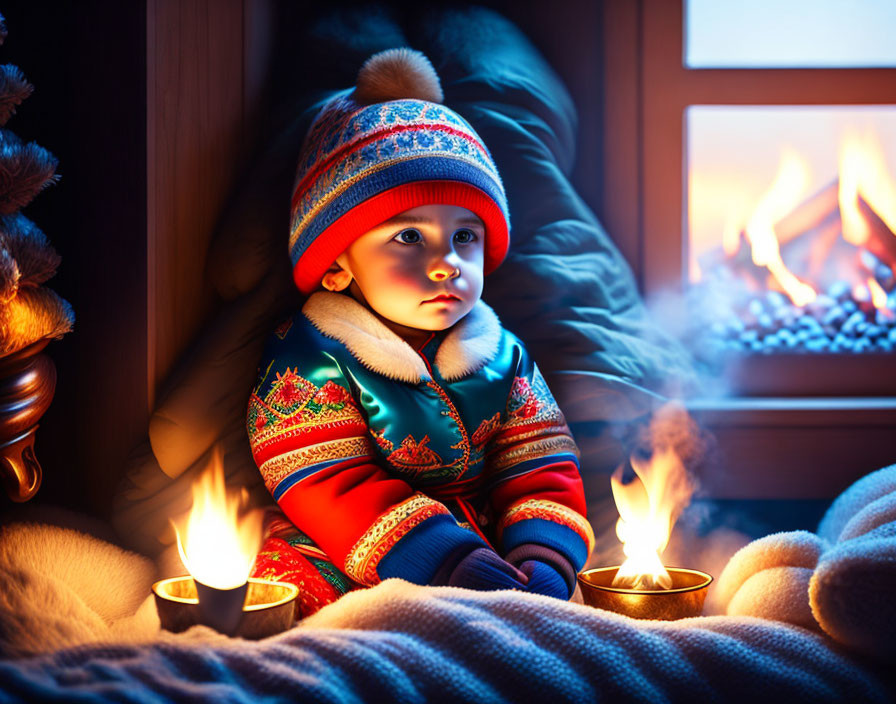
404	643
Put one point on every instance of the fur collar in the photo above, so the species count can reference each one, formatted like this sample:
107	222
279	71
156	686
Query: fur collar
470	344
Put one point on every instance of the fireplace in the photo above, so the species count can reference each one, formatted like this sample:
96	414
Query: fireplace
704	159
791	248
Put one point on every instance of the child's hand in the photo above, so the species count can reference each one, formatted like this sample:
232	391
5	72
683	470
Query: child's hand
544	579
484	570
547	571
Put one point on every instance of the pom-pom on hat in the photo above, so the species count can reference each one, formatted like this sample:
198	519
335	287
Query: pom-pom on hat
384	148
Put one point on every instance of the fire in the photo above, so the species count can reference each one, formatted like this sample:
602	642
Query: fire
782	196
220	539
864	173
648	508
879	297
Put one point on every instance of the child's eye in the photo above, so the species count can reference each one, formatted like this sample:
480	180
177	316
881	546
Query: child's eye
409	236
464	236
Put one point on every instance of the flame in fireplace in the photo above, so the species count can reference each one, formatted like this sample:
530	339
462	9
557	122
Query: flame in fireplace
879	297
783	195
863	173
648	507
219	540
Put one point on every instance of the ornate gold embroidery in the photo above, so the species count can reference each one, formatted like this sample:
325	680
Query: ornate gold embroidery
532	402
486	429
289	392
415	456
529	431
310	410
550	511
362	560
541	447
278	468
297	426
381	440
464	444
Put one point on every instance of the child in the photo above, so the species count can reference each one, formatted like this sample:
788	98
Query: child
401	430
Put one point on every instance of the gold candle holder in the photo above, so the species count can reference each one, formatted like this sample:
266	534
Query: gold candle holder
684	600
269	607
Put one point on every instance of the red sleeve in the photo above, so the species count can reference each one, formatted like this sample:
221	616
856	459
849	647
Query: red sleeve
536	489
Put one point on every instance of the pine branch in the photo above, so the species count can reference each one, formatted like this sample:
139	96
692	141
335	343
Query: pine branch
35	313
35	257
9	274
25	170
13	90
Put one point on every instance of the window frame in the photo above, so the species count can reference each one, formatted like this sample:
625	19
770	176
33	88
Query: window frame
647	89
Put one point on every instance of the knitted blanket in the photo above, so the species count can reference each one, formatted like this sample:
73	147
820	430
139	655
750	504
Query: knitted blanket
404	643
809	618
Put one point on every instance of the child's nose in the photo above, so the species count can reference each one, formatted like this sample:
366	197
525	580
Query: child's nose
444	268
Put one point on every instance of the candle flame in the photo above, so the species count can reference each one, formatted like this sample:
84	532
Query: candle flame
219	540
648	507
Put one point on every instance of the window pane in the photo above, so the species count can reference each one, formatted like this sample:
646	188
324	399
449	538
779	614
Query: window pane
790	34
734	154
791	225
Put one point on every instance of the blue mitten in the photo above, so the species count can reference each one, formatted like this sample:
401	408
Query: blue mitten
544	579
482	569
548	572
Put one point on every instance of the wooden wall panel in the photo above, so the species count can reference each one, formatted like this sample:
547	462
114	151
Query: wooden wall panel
620	207
195	129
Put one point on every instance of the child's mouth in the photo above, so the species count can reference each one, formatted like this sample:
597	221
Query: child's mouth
443	297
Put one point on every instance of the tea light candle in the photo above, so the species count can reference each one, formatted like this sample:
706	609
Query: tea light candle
221	609
269	608
218	545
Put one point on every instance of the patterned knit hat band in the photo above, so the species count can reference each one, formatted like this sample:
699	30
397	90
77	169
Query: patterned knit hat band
362	164
323	250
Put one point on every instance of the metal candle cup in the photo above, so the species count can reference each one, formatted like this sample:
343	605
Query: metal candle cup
221	609
684	600
268	609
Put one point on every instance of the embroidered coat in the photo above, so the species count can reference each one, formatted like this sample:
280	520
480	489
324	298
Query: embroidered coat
391	458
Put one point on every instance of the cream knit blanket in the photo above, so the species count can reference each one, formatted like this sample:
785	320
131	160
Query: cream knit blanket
805	613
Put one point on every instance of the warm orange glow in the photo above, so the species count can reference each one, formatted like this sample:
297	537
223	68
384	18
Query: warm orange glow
220	539
783	195
879	298
731	235
648	507
863	172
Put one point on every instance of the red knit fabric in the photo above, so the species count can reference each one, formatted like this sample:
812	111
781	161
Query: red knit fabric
278	561
364	217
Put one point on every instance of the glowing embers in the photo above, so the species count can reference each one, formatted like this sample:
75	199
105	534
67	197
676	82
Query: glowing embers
795	265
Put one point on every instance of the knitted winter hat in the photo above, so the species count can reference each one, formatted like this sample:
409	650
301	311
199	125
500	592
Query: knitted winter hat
384	148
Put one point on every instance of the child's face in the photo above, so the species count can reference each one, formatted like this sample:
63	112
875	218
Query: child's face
422	268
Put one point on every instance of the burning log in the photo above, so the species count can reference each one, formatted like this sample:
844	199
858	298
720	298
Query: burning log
812	244
881	241
813	213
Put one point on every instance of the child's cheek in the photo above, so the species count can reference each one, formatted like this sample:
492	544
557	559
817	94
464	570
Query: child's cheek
405	272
